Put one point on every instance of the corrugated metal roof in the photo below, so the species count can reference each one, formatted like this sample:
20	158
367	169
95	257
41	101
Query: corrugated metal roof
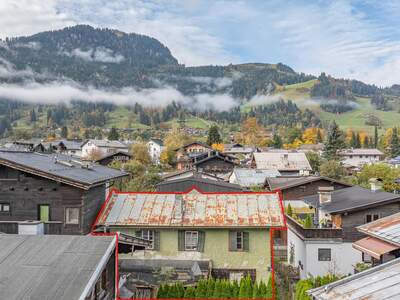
251	177
387	229
374	246
49	266
193	209
381	282
64	167
282	161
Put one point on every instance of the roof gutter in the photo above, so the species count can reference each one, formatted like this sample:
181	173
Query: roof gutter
97	272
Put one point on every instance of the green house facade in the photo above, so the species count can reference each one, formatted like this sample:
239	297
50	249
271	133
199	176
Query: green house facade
228	232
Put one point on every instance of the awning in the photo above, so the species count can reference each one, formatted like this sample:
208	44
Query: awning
374	247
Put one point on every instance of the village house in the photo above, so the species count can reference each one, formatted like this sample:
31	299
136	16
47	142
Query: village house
202	181
100	148
226	235
241	153
57	267
382	243
381	282
107	159
69	147
356	158
319	250
248	178
186	154
63	193
294	188
155	146
215	163
286	162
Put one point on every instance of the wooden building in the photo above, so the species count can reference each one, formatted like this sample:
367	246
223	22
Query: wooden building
64	193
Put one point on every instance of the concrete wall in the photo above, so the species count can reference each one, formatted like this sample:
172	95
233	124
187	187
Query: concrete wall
215	249
343	256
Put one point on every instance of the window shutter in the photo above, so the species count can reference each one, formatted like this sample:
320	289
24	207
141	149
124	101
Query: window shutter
232	241
156	240
246	241
201	241
181	240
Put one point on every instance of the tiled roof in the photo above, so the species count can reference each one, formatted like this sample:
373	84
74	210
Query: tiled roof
193	209
387	229
282	161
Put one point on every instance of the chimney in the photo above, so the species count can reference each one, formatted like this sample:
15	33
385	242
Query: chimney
376	184
325	194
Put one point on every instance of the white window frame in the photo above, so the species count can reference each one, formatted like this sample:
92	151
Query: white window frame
148	235
191	240
67	216
3	205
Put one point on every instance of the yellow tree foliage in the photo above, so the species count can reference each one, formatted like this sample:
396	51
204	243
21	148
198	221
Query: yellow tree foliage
296	144
387	137
363	136
349	134
175	139
310	135
218	147
251	132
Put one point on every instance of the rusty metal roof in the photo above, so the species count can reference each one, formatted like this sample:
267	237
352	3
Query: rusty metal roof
381	282
387	229
374	246
193	209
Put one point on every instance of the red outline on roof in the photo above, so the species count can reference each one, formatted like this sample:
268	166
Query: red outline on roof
271	230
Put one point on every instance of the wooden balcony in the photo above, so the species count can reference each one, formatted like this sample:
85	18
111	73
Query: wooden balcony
314	233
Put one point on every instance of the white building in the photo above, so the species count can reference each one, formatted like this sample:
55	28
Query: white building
359	157
155	147
102	148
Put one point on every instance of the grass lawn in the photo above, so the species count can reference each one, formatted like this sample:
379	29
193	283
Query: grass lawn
193	122
120	118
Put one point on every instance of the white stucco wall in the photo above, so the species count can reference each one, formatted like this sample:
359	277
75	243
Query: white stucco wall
343	256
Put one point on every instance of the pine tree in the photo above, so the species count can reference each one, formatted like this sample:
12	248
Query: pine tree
358	141
319	136
213	136
353	140
367	142
334	142
394	143
276	141
308	222
376	138
113	135
64	132
289	210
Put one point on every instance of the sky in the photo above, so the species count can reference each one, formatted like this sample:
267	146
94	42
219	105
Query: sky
347	39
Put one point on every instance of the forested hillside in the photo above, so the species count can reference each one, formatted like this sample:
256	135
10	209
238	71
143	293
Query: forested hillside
112	63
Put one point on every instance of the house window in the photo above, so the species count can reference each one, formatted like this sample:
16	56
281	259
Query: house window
5	208
238	241
147	235
72	215
371	217
191	240
324	254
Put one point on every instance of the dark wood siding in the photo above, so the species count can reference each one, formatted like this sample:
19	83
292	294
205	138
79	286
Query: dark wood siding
308	189
25	193
354	219
215	165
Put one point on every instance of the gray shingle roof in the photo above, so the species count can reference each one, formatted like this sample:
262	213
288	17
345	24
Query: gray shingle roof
293	181
352	198
108	144
381	282
71	145
59	167
49	266
251	177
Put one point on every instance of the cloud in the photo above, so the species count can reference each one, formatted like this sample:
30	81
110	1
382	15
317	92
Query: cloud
7	70
30	45
67	91
100	54
264	99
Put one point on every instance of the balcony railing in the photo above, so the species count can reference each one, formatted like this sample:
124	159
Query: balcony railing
313	233
11	227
